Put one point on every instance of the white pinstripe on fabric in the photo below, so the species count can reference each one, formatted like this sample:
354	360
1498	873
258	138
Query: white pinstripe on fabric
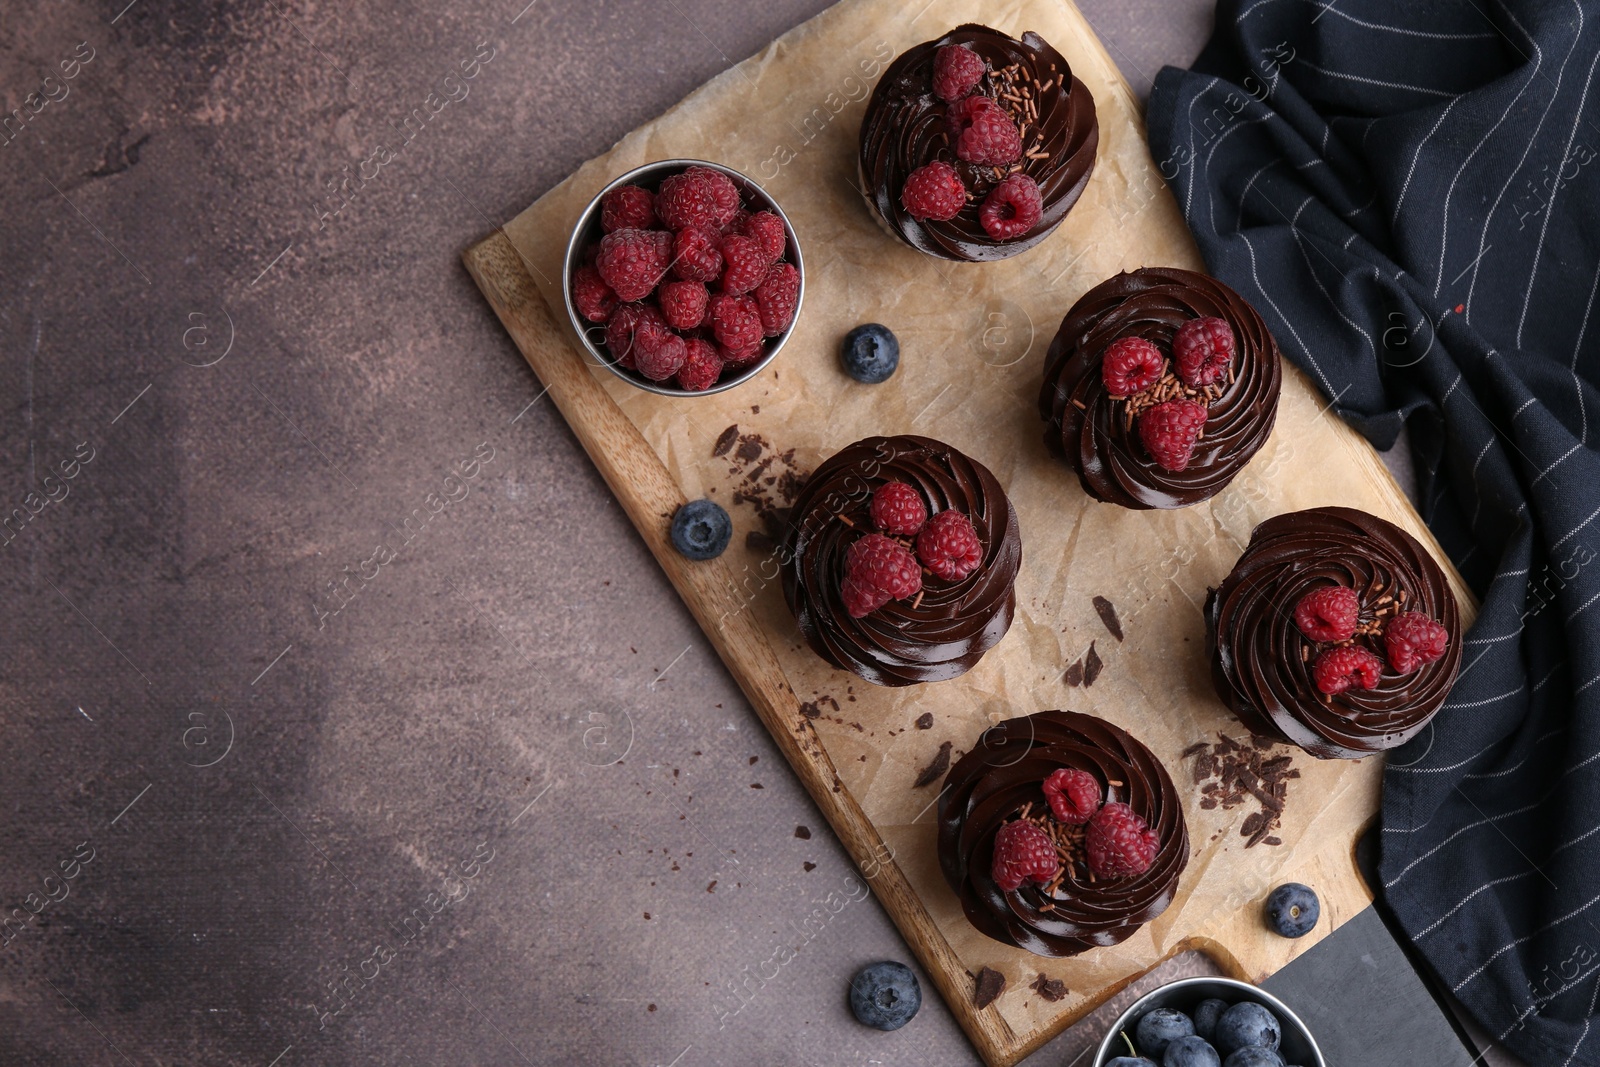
1330	9
1502	950
1406	185
1372	81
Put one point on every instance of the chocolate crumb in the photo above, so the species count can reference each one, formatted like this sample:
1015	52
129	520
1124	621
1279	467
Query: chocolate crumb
808	866
991	983
1230	774
725	441
925	721
1074	675
757	785
749	450
712	888
753	760
803	832
1091	666
810	710
1051	989
935	770
1108	615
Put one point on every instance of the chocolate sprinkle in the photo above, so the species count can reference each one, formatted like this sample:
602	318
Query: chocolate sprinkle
1108	615
1051	989
935	770
991	983
1091	666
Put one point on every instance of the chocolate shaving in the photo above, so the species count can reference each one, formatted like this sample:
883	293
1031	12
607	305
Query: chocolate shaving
1051	989
1230	774
935	770
1091	666
991	983
925	721
1108	615
725	441
1074	675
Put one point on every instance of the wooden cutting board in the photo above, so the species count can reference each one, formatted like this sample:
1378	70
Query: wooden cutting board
973	346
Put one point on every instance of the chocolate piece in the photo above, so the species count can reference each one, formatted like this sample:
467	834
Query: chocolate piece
725	441
905	128
1091	430
1091	666
935	770
1004	772
1074	675
1051	989
991	983
803	833
945	630
1108	615
925	721
1257	663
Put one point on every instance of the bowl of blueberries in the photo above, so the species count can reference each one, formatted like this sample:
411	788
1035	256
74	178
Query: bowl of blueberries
1209	1022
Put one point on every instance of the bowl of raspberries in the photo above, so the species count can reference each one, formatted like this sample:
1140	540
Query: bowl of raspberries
683	277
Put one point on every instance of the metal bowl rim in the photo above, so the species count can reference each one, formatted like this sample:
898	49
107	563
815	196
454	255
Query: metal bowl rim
1140	1006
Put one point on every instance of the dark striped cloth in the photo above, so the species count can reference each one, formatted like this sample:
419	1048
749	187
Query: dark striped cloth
1410	194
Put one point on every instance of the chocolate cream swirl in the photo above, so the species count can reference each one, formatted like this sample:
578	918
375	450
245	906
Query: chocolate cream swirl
1006	769
1261	662
946	630
1089	429
904	128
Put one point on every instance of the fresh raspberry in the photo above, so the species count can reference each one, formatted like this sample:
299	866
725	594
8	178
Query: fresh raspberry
745	263
658	353
1169	432
1023	853
627	207
898	509
934	191
633	261
777	297
983	132
622	328
878	570
1074	795
683	304
695	255
957	70
699	196
1347	667
1012	208
1329	613
1202	349
736	224
767	228
701	367
736	323
592	295
1131	365
1119	843
949	546
1412	639
735	357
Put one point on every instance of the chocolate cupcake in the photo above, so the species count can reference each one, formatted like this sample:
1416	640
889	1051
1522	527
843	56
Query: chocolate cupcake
1061	833
995	135
1159	387
900	560
1335	631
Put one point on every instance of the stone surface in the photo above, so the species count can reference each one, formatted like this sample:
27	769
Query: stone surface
387	739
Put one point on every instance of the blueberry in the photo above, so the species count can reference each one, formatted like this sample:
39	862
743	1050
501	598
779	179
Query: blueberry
1253	1056
1248	1023
1130	1061
1292	909
870	353
701	529
885	995
1206	1014
1160	1028
1191	1051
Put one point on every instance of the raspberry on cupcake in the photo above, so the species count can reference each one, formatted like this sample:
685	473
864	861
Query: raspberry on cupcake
975	146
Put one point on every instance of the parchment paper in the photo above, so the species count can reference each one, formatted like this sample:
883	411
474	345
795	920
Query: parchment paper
973	342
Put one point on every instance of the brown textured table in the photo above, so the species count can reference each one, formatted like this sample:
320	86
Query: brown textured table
386	739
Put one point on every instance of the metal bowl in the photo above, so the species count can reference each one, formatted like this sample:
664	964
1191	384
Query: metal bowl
1298	1048
587	231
